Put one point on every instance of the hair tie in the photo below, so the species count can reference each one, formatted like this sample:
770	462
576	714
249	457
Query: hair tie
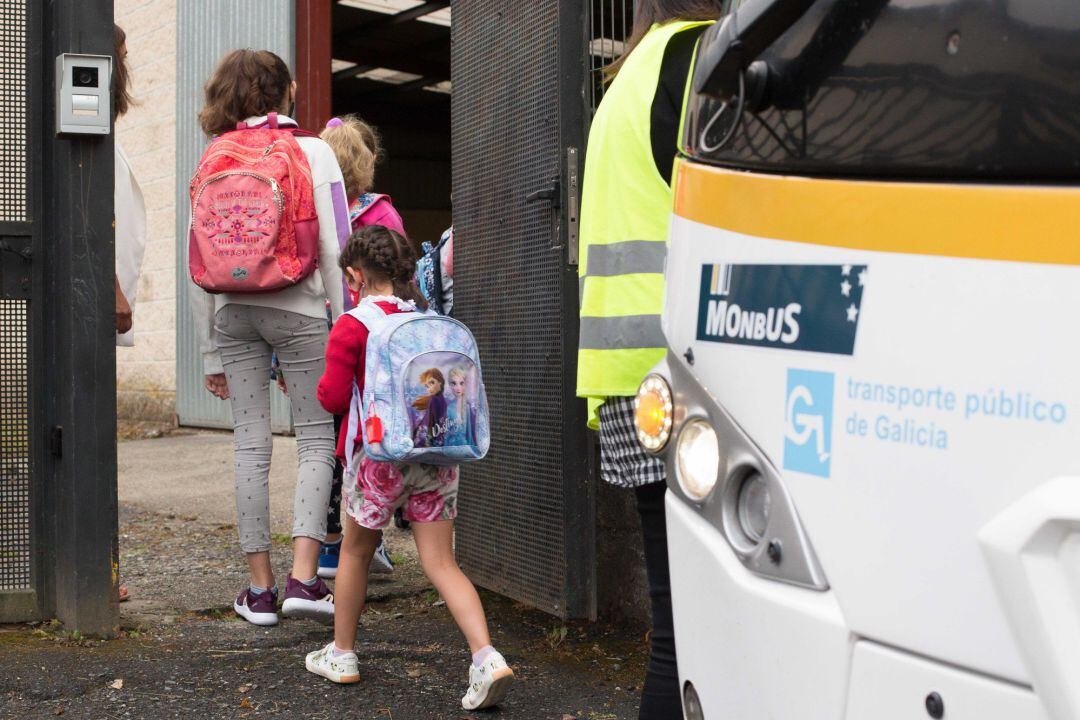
334	122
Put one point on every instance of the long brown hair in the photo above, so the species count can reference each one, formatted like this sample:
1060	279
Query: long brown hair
653	12
245	83
120	88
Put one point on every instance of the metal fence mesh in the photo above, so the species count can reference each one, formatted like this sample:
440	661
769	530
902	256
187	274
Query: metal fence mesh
13	111
610	24
505	139
14	447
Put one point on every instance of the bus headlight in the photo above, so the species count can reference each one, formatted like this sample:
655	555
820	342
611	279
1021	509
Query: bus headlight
752	507
653	412
697	457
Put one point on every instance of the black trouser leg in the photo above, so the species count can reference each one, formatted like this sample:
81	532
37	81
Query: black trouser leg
660	699
333	512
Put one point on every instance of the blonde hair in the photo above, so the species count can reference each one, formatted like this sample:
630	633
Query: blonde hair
357	147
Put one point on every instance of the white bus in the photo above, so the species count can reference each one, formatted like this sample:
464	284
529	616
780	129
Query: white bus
870	411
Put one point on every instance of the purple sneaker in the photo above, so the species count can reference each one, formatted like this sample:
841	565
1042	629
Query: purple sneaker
258	609
314	603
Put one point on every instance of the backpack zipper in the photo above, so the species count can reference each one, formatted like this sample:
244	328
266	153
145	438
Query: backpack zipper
217	176
228	148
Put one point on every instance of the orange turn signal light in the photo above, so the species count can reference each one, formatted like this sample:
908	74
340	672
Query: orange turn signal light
653	413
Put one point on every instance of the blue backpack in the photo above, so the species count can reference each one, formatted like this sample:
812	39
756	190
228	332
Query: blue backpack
435	273
424	399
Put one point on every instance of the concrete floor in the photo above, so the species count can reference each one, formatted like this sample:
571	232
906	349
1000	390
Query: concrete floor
191	474
184	654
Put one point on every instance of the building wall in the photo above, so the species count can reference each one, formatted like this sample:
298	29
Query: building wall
146	373
207	29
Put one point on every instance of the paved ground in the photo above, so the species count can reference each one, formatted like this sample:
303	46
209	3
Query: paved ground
184	655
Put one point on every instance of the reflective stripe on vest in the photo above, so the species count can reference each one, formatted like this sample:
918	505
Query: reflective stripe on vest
626	331
625	258
625	213
629	256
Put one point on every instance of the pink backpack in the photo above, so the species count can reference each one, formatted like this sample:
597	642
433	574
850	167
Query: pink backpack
253	221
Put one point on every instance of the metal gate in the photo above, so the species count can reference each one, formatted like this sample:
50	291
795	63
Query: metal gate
57	353
18	139
527	527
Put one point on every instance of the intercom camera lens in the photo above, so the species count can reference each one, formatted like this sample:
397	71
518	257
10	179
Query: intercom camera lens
82	76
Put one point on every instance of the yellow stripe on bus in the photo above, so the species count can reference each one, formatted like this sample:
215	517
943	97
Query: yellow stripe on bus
993	222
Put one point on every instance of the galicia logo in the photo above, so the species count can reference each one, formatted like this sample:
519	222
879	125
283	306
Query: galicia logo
808	420
798	307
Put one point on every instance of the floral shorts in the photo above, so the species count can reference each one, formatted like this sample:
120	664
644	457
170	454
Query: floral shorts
425	493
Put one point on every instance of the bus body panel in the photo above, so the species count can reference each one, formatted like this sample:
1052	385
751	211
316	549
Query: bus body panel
957	397
753	648
890	685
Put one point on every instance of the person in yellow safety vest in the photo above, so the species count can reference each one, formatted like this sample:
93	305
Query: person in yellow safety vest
625	212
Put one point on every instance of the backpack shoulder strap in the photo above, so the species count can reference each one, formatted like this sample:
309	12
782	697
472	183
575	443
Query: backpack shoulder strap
364	203
369	314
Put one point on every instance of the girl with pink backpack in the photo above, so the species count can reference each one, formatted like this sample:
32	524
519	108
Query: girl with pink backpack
268	216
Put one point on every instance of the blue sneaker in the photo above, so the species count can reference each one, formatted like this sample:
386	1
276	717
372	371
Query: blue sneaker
328	559
381	562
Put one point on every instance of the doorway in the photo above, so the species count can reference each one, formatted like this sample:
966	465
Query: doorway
391	66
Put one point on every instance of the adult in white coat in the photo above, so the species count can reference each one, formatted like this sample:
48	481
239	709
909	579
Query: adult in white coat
129	212
129	209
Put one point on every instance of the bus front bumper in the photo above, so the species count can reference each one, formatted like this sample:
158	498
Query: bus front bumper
753	648
757	648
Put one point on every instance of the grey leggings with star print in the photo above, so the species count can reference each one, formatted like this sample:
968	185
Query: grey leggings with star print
247	335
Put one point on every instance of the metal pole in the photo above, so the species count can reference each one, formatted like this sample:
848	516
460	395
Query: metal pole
79	395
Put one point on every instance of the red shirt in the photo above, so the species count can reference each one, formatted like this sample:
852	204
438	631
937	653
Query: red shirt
345	353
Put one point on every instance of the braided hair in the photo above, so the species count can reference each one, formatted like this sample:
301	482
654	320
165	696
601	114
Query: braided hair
383	254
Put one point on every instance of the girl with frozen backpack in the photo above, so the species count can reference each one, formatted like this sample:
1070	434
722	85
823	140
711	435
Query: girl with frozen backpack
376	357
268	216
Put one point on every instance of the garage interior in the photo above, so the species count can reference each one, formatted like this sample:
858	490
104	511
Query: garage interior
391	66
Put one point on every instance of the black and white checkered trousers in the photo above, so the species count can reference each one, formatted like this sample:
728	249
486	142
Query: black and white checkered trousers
623	461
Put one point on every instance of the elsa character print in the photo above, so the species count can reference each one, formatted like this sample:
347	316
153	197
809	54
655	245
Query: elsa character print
431	430
460	413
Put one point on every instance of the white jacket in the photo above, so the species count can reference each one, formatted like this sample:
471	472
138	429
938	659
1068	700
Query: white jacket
129	212
309	296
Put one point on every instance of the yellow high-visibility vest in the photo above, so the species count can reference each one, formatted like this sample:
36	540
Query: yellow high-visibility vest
625	213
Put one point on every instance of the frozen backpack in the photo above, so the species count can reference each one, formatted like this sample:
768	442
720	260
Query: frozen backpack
424	398
253	222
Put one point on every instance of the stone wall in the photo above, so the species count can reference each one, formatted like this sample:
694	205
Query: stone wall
146	373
